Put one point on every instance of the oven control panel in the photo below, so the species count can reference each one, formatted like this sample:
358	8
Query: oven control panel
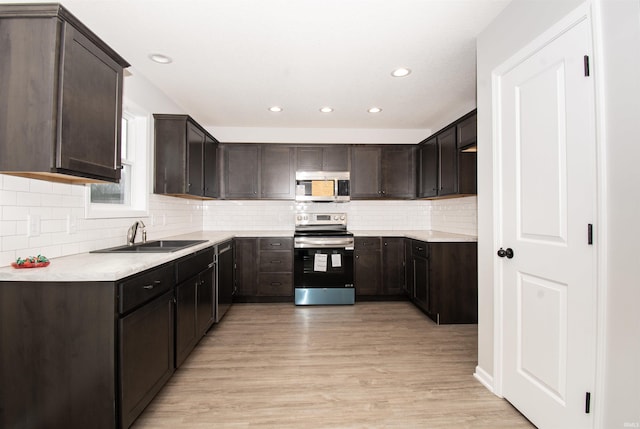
310	219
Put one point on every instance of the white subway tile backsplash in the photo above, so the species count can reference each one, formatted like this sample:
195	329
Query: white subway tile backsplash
168	216
15	183
8	198
14	213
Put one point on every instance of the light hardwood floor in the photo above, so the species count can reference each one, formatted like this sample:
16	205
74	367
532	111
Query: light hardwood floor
371	365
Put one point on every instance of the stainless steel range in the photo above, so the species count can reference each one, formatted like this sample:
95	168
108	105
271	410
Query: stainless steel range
323	259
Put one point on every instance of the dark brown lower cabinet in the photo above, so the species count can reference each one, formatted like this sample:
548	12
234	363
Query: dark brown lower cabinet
453	282
146	355
379	267
368	267
195	308
443	279
84	354
264	269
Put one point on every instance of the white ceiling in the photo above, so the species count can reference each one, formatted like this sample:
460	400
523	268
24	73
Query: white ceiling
233	59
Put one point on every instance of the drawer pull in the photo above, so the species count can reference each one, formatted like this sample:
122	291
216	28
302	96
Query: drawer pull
275	244
275	283
151	286
276	262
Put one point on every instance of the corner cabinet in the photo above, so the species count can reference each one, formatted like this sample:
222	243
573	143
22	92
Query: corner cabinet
447	161
186	158
60	97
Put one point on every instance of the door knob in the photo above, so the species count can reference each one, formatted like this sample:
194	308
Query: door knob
508	253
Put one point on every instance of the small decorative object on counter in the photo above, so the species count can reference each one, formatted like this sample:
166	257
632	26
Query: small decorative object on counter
31	262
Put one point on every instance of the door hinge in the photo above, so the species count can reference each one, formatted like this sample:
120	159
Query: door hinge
586	66
587	403
590	234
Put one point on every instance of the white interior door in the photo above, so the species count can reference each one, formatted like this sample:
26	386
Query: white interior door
547	180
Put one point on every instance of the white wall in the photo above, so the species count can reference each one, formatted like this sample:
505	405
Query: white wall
616	66
619	81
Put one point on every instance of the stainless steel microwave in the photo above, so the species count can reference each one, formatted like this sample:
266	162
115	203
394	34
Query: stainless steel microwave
323	186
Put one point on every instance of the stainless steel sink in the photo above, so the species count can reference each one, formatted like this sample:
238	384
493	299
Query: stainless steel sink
157	246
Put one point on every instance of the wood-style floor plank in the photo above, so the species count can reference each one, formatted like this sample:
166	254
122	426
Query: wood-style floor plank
371	365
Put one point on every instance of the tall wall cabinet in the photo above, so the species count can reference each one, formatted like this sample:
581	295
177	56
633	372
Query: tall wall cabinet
60	97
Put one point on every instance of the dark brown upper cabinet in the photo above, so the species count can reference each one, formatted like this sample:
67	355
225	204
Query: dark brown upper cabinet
383	172
185	158
277	175
60	97
438	167
323	158
258	171
241	171
447	161
467	131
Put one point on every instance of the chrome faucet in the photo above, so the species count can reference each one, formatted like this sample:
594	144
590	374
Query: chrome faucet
133	229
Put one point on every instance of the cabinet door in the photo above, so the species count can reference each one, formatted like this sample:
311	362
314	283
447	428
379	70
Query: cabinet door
408	269
205	295
368	267
309	158
366	172
421	283
335	158
246	254
278	173
195	161
225	287
398	172
448	162
393	258
211	170
146	355
91	109
241	171
428	171
467	173
186	323
467	131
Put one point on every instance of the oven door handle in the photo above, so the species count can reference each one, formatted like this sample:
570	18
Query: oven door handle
324	243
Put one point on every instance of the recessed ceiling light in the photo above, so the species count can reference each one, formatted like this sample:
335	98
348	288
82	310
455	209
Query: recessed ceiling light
375	110
275	109
401	72
326	109
160	58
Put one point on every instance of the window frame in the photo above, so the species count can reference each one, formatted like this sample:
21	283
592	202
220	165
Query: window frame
138	143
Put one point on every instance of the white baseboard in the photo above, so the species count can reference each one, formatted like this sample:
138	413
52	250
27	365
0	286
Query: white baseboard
485	378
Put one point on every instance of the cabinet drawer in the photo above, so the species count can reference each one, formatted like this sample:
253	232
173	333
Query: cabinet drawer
370	243
276	243
143	287
191	265
275	284
274	261
419	249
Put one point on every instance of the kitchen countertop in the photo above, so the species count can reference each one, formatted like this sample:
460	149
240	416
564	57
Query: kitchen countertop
423	235
111	266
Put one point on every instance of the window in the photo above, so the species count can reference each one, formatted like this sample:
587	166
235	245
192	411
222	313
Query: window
129	197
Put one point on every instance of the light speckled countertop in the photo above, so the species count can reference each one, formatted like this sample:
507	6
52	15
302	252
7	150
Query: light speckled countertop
111	266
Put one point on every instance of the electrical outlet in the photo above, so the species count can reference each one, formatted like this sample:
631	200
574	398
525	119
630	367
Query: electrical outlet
33	225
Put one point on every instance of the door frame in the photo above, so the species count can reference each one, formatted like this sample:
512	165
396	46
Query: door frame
581	13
